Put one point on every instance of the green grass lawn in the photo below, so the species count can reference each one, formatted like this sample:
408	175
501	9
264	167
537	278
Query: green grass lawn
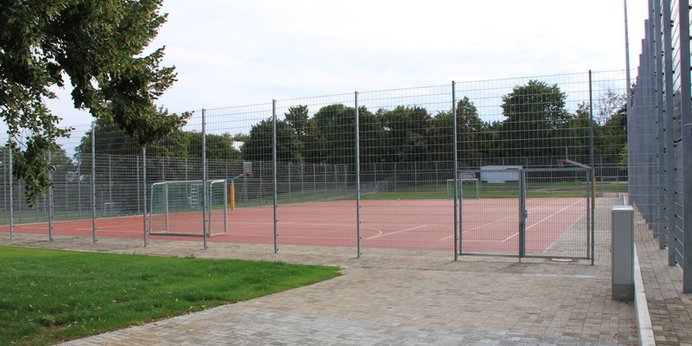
48	296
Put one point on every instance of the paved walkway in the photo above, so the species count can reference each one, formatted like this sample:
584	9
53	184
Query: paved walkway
390	298
669	308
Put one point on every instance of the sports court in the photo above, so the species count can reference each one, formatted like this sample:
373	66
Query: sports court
488	225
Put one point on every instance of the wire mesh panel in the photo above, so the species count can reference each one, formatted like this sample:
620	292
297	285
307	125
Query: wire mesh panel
315	165
659	148
558	213
238	150
490	218
295	169
406	159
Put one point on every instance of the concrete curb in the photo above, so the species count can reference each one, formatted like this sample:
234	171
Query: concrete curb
641	308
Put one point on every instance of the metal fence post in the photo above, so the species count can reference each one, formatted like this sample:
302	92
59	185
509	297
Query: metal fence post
110	179
357	152
225	206
144	194
93	182
274	203
592	180
11	178
139	193
457	212
4	183
79	189
522	213
669	129
660	145
686	117
50	198
205	230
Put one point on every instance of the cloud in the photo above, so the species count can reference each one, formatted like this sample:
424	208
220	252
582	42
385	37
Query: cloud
246	52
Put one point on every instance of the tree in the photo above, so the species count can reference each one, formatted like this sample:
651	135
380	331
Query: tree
472	135
297	118
62	166
608	104
578	133
470	129
533	130
334	134
406	130
99	45
613	136
219	151
259	145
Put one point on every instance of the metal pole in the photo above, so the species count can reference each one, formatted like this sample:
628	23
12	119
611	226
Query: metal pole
79	189
357	129
522	213
592	181
50	197
4	183
457	212
139	193
686	121
93	182
669	124
274	204
11	148
110	179
165	208
276	247
659	115
144	194
627	56
630	188
225	206
67	195
204	178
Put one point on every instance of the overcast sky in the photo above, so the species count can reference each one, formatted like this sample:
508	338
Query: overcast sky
237	52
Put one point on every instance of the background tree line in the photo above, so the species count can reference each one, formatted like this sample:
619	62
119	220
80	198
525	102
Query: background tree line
536	131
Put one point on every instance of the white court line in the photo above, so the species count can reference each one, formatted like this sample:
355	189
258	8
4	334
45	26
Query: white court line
395	232
543	219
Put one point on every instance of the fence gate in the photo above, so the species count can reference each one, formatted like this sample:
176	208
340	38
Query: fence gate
541	212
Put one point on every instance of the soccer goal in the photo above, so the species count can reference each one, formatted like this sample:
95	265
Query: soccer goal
177	208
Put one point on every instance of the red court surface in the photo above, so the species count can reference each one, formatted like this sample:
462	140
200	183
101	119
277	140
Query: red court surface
488	225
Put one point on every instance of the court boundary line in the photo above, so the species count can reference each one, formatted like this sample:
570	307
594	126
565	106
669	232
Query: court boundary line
399	231
543	219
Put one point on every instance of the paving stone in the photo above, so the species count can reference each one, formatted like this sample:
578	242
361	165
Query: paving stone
395	298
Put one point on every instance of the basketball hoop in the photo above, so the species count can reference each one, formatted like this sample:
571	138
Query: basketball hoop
247	168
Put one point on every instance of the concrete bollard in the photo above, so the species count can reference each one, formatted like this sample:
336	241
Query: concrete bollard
622	252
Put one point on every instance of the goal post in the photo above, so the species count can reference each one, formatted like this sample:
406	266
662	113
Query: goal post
177	208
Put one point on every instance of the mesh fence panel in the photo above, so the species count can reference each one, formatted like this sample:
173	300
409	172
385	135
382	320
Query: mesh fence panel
291	167
661	118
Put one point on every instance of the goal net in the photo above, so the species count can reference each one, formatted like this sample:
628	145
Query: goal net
177	208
